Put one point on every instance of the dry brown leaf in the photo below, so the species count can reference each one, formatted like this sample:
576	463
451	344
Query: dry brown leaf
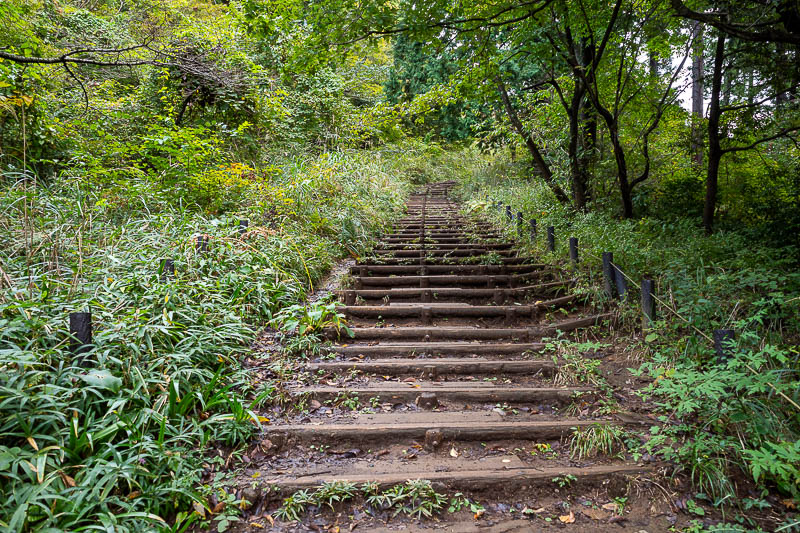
610	506
478	514
218	508
33	443
256	524
567	518
68	481
789	503
595	514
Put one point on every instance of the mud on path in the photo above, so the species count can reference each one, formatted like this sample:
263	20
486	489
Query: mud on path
452	377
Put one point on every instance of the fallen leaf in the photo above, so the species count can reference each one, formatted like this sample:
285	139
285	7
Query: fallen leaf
610	506
68	481
595	514
478	514
789	503
270	519
218	508
567	518
33	443
134	494
453	452
199	509
256	524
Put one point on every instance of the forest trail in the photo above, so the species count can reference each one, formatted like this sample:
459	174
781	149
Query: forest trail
447	379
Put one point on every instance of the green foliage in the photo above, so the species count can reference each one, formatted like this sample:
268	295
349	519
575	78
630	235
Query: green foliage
311	319
597	439
121	441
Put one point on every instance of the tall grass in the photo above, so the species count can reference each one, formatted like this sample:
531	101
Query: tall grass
115	438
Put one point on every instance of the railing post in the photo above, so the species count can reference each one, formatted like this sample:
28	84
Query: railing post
167	269
723	338
609	283
201	244
243	223
621	282
80	328
533	228
573	250
648	302
551	239
509	214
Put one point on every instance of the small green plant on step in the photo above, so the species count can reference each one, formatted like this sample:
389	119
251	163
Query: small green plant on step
597	439
564	480
310	318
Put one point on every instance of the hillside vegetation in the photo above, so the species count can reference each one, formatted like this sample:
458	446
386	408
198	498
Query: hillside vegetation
256	143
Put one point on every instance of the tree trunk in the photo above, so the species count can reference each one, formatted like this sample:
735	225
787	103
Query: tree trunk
577	161
697	94
541	164
714	148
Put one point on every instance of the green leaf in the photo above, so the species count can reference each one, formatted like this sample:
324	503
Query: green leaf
651	337
102	379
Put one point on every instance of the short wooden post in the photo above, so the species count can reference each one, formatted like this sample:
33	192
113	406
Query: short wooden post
609	284
520	221
80	329
167	269
201	244
723	340
648	302
533	228
551	238
509	214
243	223
573	250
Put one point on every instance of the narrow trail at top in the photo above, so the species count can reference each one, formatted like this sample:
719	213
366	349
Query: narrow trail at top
447	377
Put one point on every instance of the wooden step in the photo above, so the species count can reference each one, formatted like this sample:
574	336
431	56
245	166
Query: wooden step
437	367
364	270
432	333
461	426
452	280
473	392
425	311
443	349
468	479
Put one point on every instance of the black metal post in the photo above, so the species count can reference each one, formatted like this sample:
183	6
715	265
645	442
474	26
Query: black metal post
201	244
723	340
80	328
167	269
509	214
622	283
573	250
243	223
533	228
648	301
551	239
609	283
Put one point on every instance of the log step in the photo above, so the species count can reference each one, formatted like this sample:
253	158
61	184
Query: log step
474	392
443	349
468	479
450	310
462	426
436	367
452	280
467	333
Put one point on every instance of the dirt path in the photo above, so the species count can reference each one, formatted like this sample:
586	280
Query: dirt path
448	379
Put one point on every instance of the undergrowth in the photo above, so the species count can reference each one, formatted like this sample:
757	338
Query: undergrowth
117	436
723	421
